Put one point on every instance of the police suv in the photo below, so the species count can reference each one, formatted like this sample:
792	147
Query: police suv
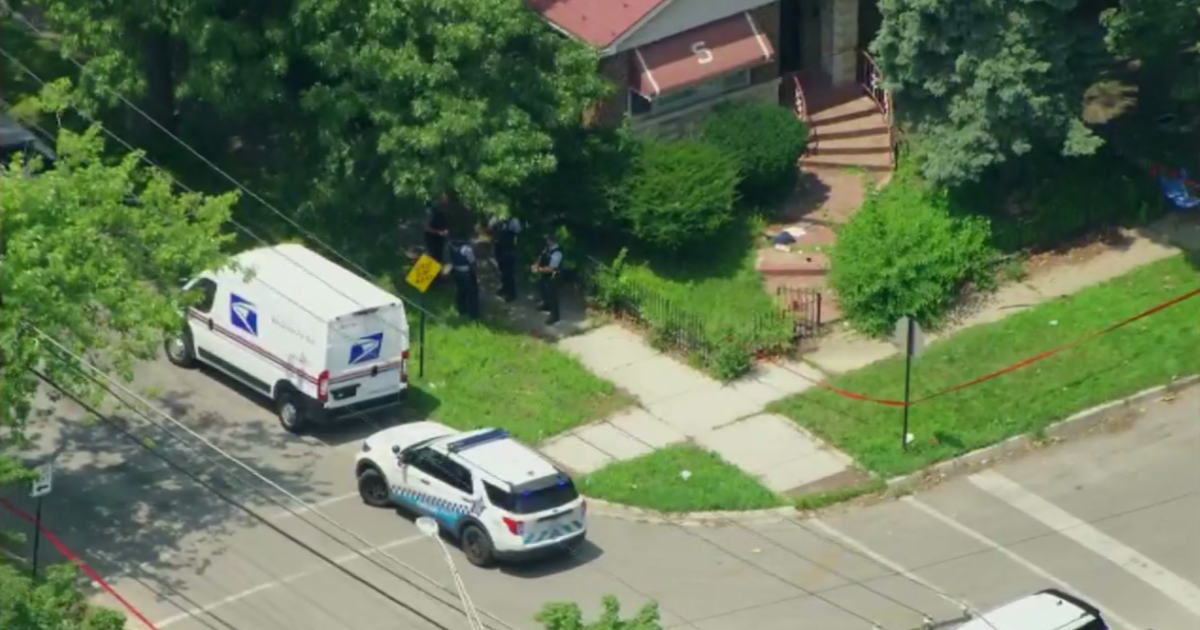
1049	609
499	498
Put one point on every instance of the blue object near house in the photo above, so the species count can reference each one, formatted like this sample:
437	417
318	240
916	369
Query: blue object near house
1176	190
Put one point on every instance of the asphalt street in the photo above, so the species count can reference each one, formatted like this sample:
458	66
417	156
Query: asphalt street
1112	517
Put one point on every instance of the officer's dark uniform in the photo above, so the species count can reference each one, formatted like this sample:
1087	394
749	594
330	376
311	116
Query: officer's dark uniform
504	239
548	266
466	282
436	225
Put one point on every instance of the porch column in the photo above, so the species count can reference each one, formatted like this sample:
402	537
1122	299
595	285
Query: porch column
843	39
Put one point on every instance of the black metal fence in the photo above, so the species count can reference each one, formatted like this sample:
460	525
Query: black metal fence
725	349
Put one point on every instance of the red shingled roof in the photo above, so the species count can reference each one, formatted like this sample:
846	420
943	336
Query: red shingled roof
597	22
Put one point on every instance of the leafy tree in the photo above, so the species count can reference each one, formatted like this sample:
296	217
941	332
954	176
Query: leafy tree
1164	35
458	95
51	603
766	140
679	193
568	616
95	253
904	254
986	81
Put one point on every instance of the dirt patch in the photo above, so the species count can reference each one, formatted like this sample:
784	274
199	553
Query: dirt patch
1077	251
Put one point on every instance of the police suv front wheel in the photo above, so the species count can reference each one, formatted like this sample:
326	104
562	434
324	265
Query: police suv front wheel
477	546
373	488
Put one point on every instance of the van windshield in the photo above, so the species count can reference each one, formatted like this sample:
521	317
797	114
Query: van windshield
533	501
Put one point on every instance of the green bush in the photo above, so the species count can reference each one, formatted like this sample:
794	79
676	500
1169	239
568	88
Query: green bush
904	254
680	193
765	140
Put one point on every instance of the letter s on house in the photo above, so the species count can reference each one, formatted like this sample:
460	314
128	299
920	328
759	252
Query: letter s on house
703	52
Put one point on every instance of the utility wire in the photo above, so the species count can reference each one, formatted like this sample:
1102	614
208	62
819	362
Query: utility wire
96	375
231	179
26	69
145	445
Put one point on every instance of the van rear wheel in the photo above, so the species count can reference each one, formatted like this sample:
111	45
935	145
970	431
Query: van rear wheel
477	546
290	413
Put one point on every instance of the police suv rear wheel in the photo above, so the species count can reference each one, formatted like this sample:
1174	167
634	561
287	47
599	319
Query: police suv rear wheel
373	488
477	546
180	349
291	417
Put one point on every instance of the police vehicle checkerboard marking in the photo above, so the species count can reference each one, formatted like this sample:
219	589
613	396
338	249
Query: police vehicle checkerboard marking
366	349
524	503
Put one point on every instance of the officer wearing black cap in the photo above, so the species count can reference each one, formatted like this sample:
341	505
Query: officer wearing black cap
466	282
437	228
504	240
547	267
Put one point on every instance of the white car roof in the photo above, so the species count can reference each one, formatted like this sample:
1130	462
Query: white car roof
506	460
1041	611
323	287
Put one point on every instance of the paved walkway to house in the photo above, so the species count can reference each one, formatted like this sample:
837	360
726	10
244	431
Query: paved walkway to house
678	403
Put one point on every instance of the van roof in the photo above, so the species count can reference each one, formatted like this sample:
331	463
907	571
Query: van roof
1047	610
321	286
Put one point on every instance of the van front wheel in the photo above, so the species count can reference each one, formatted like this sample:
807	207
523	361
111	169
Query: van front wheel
180	349
291	415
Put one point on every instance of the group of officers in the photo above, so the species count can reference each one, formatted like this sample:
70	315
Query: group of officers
458	252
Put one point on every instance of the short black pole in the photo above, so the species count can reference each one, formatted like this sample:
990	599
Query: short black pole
421	356
909	339
37	535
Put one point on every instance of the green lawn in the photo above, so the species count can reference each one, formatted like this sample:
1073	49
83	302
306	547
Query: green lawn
654	482
479	376
1146	353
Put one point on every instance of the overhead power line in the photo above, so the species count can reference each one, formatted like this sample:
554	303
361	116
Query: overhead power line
106	382
29	71
196	153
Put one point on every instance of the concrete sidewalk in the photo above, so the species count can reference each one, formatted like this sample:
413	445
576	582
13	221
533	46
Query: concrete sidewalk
678	403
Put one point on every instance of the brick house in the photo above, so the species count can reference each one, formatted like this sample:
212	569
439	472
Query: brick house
673	61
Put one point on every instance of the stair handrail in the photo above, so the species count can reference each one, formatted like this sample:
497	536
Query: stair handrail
799	103
871	81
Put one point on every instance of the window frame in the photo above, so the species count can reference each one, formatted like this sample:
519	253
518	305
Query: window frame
209	295
441	468
709	89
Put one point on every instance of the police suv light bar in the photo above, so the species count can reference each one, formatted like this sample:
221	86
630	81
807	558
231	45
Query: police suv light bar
491	435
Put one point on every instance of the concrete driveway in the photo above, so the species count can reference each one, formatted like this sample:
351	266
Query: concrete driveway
1112	517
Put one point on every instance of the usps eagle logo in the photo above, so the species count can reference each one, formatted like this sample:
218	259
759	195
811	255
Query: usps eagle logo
366	349
243	314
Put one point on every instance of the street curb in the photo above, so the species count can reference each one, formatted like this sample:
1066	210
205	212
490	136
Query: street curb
1079	422
1083	421
686	519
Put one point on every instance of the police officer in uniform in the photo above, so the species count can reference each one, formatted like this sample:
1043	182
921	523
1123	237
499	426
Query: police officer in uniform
547	267
504	239
437	227
466	282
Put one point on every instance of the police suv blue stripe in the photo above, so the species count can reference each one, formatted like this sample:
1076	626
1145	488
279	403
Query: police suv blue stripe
431	501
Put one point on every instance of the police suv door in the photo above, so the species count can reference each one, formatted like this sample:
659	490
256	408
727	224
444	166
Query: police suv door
437	487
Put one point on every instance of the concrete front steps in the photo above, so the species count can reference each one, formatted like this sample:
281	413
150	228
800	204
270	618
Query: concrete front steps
851	135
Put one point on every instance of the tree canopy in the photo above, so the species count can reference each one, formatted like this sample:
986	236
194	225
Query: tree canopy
983	82
50	603
360	111
568	616
95	255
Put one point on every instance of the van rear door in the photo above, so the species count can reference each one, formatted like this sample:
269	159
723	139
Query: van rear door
368	355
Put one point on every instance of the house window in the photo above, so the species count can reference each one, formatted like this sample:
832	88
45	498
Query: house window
688	96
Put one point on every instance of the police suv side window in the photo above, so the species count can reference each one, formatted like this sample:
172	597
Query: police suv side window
208	292
441	468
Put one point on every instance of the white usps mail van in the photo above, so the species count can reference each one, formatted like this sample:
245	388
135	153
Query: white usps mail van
318	341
